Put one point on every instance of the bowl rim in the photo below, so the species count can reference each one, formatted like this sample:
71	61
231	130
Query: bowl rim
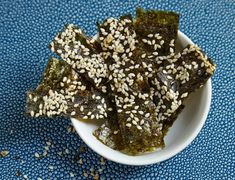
177	150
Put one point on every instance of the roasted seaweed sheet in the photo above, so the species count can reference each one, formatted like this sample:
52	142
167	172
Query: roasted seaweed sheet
62	92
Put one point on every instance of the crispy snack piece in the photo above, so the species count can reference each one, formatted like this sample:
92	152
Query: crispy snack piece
140	130
62	92
82	53
156	31
184	73
109	133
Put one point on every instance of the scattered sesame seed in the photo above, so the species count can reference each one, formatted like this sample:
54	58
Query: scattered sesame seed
66	151
50	167
72	174
37	155
48	143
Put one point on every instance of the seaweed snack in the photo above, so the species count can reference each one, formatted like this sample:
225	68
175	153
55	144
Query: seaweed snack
82	53
184	73
156	31
62	92
139	128
130	78
85	56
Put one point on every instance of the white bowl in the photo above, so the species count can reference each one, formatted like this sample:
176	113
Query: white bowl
180	135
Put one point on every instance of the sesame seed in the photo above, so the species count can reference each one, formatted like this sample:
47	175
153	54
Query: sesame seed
147	115
155	53
184	95
134	111
119	110
145	40
143	55
50	167
35	99
89	113
134	122
72	174
73	113
136	107
36	155
48	143
64	79
32	113
128	125
59	51
139	127
142	122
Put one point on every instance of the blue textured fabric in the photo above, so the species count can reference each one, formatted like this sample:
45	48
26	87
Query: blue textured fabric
26	28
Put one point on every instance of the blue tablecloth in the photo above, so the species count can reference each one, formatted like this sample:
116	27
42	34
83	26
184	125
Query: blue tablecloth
26	28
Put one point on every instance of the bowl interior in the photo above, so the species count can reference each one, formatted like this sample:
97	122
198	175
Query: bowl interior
180	135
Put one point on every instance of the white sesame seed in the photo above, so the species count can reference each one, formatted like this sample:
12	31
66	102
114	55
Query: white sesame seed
32	113
142	122
145	40
48	143
184	95
155	53
59	51
64	79
134	122
128	125
36	155
89	113
35	99
147	115
50	167
73	113
119	110
139	127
